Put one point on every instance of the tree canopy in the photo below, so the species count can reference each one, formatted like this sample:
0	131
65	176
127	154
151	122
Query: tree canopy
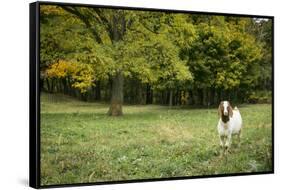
159	57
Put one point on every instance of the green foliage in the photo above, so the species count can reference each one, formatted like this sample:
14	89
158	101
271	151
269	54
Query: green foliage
223	56
61	36
260	97
157	63
160	60
166	51
152	49
262	30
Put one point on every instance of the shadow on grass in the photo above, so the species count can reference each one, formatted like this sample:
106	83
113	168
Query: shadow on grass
86	115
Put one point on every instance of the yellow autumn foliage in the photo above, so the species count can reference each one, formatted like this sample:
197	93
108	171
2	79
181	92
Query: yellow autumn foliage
81	75
60	69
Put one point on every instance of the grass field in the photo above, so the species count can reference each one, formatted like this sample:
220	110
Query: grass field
80	143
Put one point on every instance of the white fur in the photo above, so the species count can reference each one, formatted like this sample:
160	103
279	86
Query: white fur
233	126
225	104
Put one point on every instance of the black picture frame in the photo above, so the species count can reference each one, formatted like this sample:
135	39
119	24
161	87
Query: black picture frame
34	94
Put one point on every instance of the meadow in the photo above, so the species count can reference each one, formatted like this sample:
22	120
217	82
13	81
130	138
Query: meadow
80	143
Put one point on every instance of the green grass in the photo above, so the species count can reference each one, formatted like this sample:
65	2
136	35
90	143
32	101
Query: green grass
80	143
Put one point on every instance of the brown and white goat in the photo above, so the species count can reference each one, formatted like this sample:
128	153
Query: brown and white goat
230	123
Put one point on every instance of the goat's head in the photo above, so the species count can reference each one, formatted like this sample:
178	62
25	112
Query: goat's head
225	111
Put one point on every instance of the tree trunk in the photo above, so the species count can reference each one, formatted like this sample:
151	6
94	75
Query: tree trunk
171	98
200	97
48	85
149	95
212	96
176	98
116	103
205	98
190	97
97	91
53	85
64	84
141	94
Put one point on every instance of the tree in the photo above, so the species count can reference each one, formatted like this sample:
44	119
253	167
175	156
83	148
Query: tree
155	44
158	56
117	45
223	56
261	29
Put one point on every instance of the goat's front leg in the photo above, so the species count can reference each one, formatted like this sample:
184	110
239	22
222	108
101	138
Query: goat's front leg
222	140
228	141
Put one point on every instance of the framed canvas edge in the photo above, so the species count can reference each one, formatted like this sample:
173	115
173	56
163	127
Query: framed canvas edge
34	94
152	9
34	97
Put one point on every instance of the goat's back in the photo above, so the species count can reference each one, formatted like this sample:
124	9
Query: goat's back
235	121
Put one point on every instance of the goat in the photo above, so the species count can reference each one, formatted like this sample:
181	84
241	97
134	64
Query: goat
230	123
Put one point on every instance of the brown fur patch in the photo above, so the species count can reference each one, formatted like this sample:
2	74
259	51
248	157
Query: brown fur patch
225	118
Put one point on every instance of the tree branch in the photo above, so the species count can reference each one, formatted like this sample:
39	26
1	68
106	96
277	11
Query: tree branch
84	19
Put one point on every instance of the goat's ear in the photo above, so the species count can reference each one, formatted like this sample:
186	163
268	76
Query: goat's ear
230	111
219	110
